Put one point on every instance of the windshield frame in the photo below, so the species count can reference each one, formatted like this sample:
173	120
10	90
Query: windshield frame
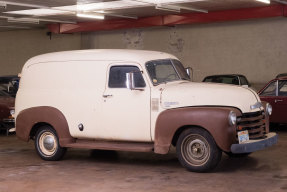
174	67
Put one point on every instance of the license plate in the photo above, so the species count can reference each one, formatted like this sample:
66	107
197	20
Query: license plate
243	136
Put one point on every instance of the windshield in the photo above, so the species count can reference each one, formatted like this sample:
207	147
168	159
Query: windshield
9	88
3	94
166	70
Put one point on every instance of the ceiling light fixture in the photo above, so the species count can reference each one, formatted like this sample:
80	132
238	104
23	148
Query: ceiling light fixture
35	20
168	8
192	9
264	1
39	12
91	16
23	20
57	21
122	16
22	4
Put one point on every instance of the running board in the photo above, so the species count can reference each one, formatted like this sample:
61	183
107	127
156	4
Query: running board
112	145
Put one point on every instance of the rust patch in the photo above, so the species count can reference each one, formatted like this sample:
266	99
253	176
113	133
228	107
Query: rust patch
27	118
213	119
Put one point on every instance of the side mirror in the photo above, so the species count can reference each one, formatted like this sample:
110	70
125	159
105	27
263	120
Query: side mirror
189	71
130	81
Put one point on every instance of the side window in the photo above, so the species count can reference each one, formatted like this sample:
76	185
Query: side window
117	77
282	88
270	90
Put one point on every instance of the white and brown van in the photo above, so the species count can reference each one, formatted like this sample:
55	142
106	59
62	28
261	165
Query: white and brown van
133	100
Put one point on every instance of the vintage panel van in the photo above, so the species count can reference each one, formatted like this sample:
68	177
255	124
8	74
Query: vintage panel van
135	100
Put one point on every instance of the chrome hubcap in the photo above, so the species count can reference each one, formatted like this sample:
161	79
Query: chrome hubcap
195	150
48	143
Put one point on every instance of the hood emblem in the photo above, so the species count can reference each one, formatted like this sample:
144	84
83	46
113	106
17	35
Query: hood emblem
256	105
168	104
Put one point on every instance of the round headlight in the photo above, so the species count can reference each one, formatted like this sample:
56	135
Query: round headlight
232	118
269	109
12	112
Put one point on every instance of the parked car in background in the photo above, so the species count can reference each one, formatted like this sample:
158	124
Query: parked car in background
234	79
9	84
281	75
275	93
7	104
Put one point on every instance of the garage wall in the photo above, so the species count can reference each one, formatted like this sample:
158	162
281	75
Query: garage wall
255	48
18	46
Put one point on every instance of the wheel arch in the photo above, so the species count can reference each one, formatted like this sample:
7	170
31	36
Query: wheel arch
170	123
30	119
36	127
181	129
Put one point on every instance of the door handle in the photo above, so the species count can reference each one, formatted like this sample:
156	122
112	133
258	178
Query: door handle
106	96
278	100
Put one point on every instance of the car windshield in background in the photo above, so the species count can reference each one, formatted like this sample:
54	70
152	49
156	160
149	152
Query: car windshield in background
222	79
9	84
281	75
243	80
3	94
166	70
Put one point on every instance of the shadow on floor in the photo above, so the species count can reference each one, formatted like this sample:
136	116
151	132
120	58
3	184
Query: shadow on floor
278	128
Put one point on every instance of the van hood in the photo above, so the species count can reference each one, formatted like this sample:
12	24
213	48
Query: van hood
183	94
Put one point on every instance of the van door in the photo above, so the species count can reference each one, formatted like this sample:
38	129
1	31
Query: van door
125	112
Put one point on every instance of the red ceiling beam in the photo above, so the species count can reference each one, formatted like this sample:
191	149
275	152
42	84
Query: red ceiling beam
228	15
169	20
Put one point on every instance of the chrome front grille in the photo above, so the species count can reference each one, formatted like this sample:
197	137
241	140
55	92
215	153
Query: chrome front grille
254	123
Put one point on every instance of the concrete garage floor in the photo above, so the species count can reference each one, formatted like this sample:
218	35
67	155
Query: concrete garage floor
82	170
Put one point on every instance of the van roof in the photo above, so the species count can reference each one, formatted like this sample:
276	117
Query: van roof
140	56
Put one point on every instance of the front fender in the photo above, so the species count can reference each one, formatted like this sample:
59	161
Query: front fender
212	119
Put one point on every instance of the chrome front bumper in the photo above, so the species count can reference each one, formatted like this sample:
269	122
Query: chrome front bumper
255	145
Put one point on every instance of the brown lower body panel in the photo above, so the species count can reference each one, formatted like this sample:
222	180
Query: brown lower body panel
112	145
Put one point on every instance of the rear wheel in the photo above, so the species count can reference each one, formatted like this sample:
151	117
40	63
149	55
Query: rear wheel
47	144
197	150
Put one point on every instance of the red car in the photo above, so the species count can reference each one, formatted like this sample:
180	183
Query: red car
275	93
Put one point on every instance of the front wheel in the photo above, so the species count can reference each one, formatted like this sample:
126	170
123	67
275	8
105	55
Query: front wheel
197	150
47	144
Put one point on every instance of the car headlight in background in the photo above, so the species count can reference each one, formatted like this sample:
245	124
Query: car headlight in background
232	118
12	112
269	109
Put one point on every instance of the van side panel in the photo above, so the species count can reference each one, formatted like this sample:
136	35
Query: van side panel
29	117
75	88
